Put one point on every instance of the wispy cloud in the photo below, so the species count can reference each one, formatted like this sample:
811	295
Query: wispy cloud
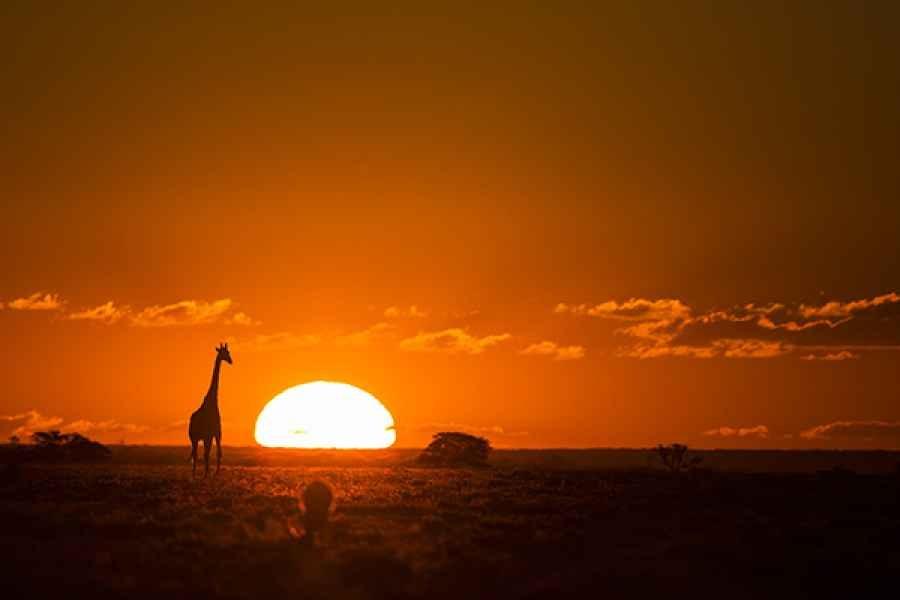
186	312
758	431
726	348
108	427
411	312
24	424
241	318
554	351
107	313
633	309
767	323
482	430
751	348
833	331
662	349
364	337
864	430
846	309
37	301
831	356
452	341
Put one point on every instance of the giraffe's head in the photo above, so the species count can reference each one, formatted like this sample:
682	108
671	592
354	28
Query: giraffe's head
223	353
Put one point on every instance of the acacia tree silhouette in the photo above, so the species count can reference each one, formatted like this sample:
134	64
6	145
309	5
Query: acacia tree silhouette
48	438
206	422
675	457
449	448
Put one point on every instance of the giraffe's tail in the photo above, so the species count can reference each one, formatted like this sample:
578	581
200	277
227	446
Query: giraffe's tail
193	455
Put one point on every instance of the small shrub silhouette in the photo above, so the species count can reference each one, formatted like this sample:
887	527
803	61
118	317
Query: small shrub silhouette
53	445
675	457
453	448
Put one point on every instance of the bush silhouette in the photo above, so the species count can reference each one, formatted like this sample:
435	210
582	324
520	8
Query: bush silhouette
453	448
53	445
675	457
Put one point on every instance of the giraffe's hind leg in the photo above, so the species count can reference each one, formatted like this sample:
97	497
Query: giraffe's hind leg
194	457
218	439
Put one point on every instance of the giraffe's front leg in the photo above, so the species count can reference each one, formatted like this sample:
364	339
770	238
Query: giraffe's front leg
194	458
218	452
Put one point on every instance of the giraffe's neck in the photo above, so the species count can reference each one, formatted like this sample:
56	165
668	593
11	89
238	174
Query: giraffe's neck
212	396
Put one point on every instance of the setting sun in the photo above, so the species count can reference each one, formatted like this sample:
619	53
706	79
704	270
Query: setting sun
325	414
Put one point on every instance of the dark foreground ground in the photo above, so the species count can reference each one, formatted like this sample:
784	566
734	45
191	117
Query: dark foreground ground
525	531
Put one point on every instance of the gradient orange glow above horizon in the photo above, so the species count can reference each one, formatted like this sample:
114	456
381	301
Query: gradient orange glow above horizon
590	226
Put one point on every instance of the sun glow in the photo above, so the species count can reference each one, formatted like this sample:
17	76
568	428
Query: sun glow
325	414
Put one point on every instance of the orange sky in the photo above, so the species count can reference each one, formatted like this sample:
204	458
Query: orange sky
554	227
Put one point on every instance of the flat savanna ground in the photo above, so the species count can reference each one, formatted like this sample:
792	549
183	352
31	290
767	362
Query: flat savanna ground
515	530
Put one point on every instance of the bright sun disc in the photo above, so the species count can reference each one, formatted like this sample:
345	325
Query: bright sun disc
325	414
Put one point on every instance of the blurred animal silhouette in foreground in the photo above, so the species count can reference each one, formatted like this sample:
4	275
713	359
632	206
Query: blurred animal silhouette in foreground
317	499
206	422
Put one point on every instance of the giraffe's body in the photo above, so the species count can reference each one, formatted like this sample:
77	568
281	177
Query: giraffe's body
206	422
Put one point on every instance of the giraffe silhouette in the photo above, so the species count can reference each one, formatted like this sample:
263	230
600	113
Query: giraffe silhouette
206	422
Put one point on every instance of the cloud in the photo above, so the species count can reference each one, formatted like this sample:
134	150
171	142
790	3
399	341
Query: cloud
24	424
848	430
751	348
452	341
272	342
412	312
555	351
482	430
662	349
759	431
633	309
767	323
186	312
846	309
37	301
240	318
101	428
364	337
724	348
833	331
107	313
831	356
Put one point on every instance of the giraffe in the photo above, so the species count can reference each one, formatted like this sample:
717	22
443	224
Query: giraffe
206	423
